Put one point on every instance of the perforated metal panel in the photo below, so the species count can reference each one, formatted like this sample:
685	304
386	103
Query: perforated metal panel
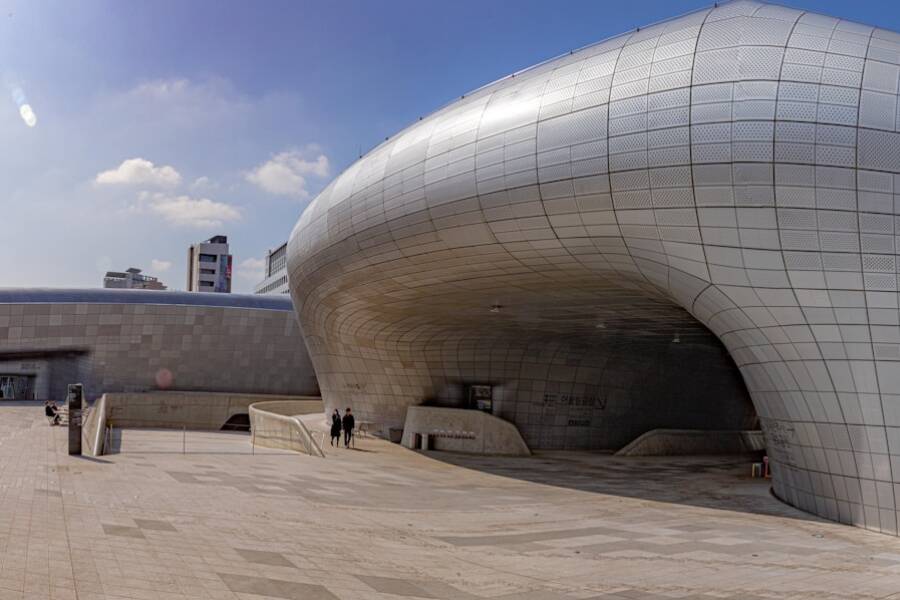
733	171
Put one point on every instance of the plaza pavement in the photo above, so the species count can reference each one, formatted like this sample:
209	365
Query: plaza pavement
382	522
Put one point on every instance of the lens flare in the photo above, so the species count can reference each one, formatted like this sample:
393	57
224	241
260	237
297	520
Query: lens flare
28	115
25	110
164	379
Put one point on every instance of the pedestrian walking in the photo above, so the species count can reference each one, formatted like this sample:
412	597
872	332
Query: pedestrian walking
347	424
336	427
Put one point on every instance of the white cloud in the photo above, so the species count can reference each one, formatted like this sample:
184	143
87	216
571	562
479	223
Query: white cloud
140	171
54	173
162	88
187	211
252	269
174	108
203	183
286	173
160	266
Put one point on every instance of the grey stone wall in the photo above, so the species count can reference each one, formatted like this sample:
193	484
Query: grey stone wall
131	346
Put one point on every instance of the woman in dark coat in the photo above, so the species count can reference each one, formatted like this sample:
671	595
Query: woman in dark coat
336	427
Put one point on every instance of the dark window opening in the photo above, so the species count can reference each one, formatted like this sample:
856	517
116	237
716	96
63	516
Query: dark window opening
238	422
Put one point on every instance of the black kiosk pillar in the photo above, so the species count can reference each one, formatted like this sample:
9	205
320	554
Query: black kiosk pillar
75	400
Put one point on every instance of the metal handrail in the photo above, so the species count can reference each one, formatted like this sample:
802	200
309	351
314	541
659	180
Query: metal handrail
309	443
295	427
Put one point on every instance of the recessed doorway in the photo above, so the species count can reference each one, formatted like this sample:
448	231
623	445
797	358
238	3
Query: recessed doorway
17	387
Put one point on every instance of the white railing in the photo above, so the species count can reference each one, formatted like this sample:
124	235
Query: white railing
310	445
93	428
275	430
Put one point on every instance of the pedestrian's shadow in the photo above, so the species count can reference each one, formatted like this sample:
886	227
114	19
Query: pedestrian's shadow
354	449
94	459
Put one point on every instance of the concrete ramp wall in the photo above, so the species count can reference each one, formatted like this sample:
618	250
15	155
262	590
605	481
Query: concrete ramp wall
93	428
276	425
176	410
193	410
461	430
673	442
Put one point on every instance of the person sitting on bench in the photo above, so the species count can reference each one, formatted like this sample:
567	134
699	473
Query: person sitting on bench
51	412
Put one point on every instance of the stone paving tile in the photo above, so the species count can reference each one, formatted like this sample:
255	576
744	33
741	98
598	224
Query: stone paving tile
276	588
502	540
396	587
359	524
154	525
262	557
122	531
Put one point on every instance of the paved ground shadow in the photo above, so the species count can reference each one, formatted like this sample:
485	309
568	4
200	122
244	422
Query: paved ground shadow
719	482
94	459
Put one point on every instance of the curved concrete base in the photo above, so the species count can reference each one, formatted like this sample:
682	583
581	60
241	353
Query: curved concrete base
93	429
194	410
276	425
460	430
167	410
675	442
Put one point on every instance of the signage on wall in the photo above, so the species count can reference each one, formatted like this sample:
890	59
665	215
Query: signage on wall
481	397
574	400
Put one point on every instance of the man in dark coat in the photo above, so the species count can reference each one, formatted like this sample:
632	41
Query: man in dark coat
347	424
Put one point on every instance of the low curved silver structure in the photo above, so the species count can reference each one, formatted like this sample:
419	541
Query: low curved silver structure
138	340
553	234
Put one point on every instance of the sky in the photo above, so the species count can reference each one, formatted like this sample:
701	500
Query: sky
132	129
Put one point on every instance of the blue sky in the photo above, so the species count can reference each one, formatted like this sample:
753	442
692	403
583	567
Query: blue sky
164	122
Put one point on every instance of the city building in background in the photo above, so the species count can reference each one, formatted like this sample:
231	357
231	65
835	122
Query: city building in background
275	281
131	279
209	266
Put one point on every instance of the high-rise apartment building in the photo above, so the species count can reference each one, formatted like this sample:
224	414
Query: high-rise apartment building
131	279
276	272
209	266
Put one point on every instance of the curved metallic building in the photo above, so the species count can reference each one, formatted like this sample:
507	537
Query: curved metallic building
736	169
138	340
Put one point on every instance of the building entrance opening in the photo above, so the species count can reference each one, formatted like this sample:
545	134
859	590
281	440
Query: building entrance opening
17	387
